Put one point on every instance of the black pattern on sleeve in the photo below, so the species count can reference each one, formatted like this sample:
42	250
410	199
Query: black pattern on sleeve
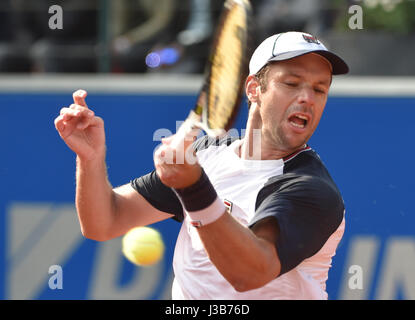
308	209
158	195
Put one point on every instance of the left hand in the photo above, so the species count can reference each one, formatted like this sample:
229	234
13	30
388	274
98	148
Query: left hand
177	169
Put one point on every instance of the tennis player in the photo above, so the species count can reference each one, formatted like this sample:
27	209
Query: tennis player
262	227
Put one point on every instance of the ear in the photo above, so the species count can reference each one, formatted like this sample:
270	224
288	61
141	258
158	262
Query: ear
252	89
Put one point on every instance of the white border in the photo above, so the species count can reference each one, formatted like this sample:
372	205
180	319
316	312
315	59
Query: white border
123	84
373	86
183	84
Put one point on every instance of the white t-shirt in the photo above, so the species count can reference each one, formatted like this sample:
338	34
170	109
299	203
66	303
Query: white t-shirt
308	238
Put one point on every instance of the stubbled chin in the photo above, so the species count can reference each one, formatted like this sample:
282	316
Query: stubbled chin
293	138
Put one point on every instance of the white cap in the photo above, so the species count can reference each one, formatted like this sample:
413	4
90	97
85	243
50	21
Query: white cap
292	44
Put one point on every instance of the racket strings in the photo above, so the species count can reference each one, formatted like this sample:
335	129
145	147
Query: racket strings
228	63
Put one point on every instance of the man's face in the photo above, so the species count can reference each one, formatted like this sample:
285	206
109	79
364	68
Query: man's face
294	100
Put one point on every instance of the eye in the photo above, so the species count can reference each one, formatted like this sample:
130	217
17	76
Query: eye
320	90
291	84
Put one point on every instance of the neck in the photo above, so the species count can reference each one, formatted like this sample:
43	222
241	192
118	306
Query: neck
251	147
256	145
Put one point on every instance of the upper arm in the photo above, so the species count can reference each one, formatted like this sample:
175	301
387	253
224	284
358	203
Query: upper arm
306	213
132	209
158	195
143	201
267	230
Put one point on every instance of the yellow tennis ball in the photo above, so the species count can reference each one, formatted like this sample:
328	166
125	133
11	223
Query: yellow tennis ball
143	246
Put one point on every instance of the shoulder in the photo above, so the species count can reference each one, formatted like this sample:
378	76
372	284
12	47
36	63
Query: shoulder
305	182
304	170
309	189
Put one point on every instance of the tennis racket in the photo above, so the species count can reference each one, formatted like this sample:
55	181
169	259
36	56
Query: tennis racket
225	73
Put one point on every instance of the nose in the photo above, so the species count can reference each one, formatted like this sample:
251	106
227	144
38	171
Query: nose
306	96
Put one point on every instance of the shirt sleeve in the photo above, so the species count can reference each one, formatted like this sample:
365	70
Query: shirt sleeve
158	195
308	210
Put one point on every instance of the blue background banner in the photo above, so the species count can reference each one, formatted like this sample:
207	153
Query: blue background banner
366	143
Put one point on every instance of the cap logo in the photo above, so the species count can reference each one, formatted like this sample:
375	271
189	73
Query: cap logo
311	39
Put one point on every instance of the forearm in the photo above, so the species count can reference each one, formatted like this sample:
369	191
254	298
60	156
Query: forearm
247	259
244	259
95	200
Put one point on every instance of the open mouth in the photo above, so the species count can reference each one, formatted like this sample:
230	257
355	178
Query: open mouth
298	120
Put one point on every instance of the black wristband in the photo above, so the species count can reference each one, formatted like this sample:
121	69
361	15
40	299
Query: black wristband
199	195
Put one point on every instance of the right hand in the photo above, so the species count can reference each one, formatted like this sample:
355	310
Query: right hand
81	130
